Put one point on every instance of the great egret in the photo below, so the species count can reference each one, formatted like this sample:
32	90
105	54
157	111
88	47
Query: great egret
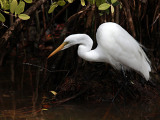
115	46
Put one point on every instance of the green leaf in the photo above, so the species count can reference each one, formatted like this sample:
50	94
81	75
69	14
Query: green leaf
52	7
4	4
23	16
28	1
104	6
61	2
20	8
113	1
13	6
70	1
112	9
83	3
6	7
6	12
2	18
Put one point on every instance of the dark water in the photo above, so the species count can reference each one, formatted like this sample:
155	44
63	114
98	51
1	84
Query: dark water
103	111
24	108
21	100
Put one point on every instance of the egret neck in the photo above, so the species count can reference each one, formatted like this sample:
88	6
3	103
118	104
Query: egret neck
85	46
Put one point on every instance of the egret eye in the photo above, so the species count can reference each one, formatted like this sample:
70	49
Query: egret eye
67	42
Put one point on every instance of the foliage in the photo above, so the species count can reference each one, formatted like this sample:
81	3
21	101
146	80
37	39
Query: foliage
104	6
52	7
110	3
101	4
17	7
14	8
23	16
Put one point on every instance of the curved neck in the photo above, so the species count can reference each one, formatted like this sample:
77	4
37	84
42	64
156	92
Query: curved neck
85	52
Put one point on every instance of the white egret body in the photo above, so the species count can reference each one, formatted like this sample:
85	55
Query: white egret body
115	46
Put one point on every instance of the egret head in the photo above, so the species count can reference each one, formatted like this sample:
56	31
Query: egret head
68	42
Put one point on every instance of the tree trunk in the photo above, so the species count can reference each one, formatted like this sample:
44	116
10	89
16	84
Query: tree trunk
126	7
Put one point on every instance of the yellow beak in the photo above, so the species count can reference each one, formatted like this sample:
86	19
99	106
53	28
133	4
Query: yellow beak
57	50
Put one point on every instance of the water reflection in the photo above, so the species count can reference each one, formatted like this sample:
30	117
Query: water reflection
23	109
105	111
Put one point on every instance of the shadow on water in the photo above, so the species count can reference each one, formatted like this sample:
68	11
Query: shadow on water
105	111
21	100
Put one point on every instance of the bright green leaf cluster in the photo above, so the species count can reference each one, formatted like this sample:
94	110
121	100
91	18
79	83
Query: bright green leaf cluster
4	4
105	5
101	4
15	7
110	3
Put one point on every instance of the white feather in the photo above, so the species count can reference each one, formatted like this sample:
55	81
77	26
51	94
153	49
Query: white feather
115	46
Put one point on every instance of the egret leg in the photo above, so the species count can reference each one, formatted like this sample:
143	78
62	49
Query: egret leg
124	83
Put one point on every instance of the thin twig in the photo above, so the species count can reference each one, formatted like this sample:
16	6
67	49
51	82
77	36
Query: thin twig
45	68
156	19
72	97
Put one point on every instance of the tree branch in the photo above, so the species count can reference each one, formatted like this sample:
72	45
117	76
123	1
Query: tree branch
9	32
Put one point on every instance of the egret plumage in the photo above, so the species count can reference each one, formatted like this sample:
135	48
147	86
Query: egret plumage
114	46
